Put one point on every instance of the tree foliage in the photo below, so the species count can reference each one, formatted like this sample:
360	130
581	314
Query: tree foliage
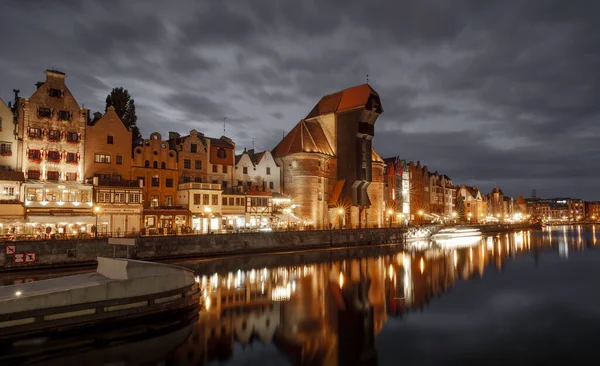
124	106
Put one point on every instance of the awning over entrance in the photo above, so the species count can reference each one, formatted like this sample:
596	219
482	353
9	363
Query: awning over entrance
335	193
62	219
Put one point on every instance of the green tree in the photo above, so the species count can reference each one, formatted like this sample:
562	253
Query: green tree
460	209
124	106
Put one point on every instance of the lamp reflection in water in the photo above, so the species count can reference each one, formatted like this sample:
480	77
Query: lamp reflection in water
341	280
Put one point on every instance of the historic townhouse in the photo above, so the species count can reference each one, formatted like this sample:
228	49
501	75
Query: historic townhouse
397	190
221	161
203	200
12	212
475	203
315	161
8	138
117	197
155	164
192	156
51	151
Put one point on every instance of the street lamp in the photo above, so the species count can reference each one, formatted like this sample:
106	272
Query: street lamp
341	213
96	211
208	212
288	212
390	212
469	217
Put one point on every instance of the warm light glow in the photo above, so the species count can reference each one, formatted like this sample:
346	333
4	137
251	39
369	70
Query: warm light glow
341	211
207	209
341	280
18	293
422	265
390	212
421	212
455	259
207	303
454	214
96	209
391	272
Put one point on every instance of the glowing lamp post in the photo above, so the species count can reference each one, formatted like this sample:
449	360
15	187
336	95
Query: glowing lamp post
469	217
421	216
96	211
341	214
390	212
208	212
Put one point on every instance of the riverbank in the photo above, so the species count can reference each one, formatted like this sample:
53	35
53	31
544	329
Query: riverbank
83	253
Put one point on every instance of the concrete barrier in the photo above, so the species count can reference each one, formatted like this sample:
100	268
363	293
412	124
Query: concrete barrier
55	254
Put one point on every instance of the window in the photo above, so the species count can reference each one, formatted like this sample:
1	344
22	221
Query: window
155	165
44	112
186	179
146	164
169	201
134	198
71	158
109	140
194	148
187	163
64	115
198	179
224	184
271	185
268	171
71	176
9	191
224	201
34	154
35	194
196	199
72	137
163	165
231	201
53	156
155	182
215	199
215	169
245	170
35	133
33	174
102	158
154	201
119	160
69	195
119	197
205	199
221	153
141	179
238	201
52	175
103	197
6	149
169	182
199	164
224	168
53	135
55	93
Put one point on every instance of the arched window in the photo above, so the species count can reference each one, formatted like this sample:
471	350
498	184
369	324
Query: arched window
163	165
155	164
147	164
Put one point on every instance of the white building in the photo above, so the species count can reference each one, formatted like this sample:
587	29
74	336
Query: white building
257	169
204	202
8	139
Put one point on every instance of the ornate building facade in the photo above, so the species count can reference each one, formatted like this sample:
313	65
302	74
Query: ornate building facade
8	139
327	161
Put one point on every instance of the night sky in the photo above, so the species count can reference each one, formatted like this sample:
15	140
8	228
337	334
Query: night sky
490	93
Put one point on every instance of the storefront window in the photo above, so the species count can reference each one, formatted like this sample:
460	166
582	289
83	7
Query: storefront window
69	195
52	195
35	194
85	196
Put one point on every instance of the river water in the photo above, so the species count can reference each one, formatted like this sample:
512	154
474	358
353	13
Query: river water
522	298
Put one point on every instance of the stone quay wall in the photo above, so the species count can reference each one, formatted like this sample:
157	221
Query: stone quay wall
28	255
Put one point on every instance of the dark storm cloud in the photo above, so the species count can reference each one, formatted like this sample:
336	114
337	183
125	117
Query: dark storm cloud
495	92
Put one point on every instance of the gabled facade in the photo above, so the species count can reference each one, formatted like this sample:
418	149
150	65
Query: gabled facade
221	161
475	203
108	148
12	212
8	139
192	156
257	169
326	160
51	131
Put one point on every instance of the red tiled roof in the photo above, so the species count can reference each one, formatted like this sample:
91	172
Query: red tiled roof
307	136
354	97
220	142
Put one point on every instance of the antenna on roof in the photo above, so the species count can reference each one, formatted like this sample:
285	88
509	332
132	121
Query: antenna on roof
282	134
224	118
367	78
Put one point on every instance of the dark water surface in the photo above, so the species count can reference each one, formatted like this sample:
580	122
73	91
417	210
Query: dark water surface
524	298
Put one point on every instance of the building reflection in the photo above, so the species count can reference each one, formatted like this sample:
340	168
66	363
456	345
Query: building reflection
329	313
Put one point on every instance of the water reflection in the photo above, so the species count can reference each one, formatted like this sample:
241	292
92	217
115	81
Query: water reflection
327	308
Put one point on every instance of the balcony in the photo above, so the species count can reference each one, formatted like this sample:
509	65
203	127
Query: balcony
204	186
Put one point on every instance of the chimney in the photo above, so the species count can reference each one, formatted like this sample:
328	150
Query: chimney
173	135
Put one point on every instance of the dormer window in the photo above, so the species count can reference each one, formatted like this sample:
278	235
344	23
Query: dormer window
64	115
55	93
45	112
221	153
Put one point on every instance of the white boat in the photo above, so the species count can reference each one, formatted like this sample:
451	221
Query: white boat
457	237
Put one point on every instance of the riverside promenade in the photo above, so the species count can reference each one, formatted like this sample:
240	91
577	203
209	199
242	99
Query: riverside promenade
51	254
